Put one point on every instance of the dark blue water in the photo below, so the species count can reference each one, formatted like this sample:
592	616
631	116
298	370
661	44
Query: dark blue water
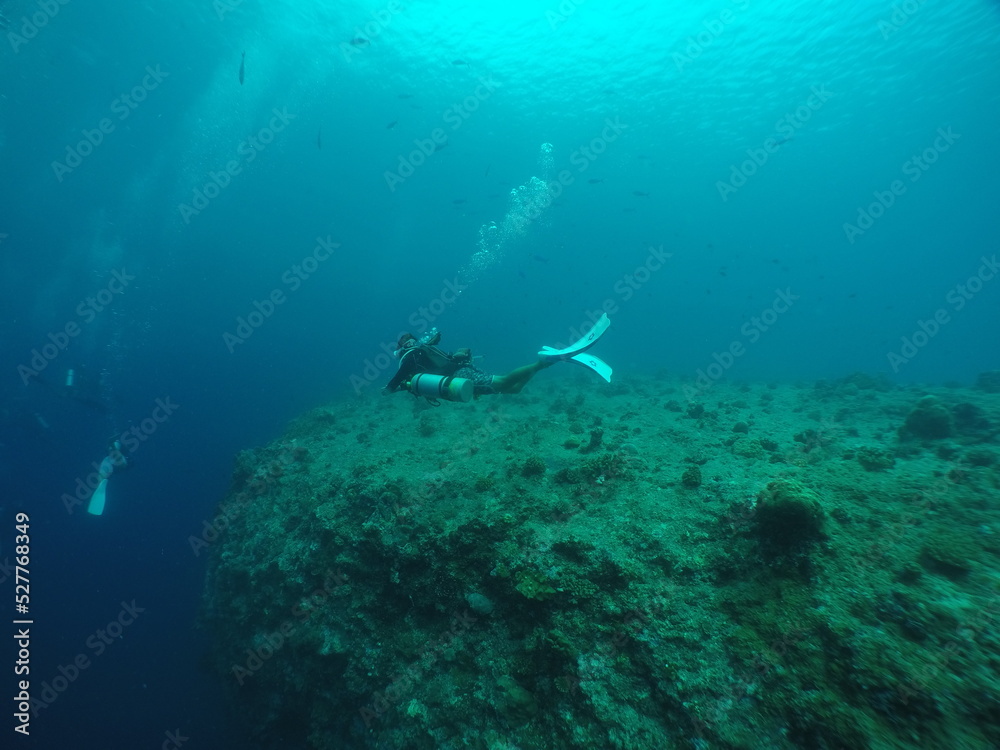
816	185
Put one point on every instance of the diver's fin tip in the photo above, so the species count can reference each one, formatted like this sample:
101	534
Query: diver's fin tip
96	505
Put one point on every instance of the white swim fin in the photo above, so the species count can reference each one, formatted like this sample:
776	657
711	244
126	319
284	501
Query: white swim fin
96	506
596	364
602	325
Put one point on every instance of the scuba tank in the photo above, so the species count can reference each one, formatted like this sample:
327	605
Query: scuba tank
434	387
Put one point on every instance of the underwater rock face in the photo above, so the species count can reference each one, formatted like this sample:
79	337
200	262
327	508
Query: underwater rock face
391	576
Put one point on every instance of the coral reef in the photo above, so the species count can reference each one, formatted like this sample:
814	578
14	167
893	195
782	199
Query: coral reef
619	570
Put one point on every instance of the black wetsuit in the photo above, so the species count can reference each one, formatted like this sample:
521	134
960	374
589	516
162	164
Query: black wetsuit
434	361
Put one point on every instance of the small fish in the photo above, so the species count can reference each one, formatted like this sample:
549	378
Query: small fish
319	139
360	41
487	170
540	258
243	63
458	201
405	96
640	194
594	180
440	146
391	125
459	62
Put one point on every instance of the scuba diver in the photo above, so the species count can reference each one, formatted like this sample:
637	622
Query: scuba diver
76	386
425	370
114	460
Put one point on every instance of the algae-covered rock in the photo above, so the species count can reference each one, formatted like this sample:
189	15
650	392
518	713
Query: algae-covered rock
949	553
788	516
875	459
533	467
532	586
972	423
518	704
691	478
982	456
929	420
749	448
479	603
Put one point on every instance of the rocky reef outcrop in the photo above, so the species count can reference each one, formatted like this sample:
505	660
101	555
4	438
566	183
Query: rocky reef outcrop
769	566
